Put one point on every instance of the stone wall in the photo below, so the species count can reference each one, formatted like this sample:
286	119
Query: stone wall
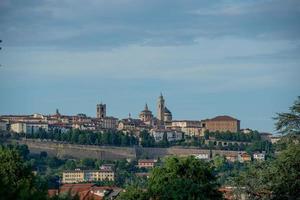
112	153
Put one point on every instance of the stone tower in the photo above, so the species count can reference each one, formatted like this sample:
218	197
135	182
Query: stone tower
101	111
161	109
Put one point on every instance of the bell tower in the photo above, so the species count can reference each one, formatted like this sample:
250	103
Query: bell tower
160	108
101	110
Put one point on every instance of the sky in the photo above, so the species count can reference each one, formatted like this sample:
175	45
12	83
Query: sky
239	58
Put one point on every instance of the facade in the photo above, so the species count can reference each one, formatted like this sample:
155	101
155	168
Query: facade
231	157
101	110
130	124
3	125
221	124
146	163
202	156
28	127
244	157
78	176
172	135
189	127
18	127
259	156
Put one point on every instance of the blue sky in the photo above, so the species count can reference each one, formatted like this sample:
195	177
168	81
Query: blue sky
209	58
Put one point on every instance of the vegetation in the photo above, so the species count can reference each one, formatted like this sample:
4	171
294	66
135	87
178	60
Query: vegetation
114	138
289	123
178	178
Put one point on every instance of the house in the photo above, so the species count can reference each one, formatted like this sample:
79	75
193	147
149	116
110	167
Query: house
259	156
87	191
231	157
146	163
244	157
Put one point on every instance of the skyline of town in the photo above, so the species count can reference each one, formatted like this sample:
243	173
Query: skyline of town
135	114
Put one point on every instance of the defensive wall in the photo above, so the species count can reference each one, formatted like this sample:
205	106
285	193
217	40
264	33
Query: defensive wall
63	150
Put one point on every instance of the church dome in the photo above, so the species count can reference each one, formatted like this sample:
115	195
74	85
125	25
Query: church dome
167	111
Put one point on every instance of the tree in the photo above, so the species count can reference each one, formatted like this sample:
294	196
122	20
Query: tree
276	179
183	178
289	123
16	178
133	193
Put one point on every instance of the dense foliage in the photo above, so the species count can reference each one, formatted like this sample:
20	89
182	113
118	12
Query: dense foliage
16	179
76	136
178	178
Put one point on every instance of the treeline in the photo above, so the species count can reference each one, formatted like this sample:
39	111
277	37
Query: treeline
229	136
115	138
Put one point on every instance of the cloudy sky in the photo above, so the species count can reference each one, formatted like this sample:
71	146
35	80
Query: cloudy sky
208	58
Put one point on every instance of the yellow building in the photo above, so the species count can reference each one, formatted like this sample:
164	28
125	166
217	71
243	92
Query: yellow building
78	176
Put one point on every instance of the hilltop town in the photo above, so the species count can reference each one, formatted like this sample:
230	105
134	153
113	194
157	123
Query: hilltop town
157	125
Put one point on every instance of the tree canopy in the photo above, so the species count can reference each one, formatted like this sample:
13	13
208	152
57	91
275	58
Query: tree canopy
289	123
179	178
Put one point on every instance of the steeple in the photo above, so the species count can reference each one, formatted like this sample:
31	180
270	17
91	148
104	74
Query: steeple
146	107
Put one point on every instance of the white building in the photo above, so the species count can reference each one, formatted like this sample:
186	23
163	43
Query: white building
202	156
259	156
28	127
172	135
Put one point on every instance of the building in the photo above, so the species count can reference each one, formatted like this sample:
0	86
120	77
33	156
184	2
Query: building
189	127
146	163
86	191
274	139
146	116
3	125
28	127
222	124
101	110
79	176
266	136
130	124
244	157
259	156
59	128
161	109
231	157
163	113
167	115
202	156
172	135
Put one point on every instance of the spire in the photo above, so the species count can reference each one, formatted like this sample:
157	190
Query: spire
146	107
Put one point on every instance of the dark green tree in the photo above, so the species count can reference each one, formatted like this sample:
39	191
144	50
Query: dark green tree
289	123
16	178
183	178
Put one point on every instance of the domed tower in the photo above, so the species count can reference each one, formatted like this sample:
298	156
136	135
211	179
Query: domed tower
161	109
146	115
167	115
